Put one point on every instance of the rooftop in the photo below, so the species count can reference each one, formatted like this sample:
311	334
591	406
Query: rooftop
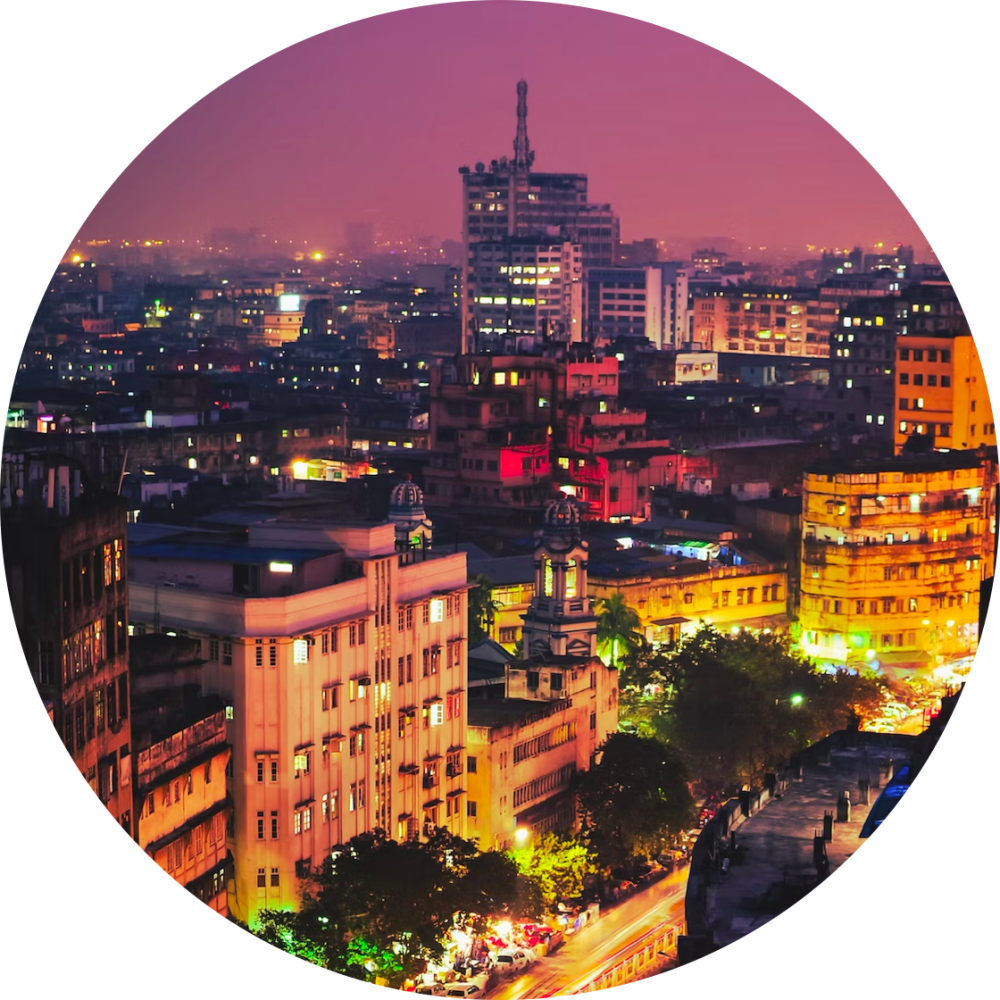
208	552
778	867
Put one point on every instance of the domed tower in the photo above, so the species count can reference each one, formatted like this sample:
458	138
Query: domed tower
560	621
406	512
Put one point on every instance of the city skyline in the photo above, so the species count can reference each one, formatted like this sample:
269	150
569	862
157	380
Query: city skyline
709	146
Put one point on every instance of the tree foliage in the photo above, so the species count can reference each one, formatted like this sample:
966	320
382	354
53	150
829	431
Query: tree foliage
380	909
743	703
633	798
482	608
560	865
618	626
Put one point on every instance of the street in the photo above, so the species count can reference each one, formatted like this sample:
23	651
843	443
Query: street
599	946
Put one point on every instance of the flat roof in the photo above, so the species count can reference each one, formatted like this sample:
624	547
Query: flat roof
226	553
778	864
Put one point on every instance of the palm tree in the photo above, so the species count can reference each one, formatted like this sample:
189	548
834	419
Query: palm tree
482	608
618	627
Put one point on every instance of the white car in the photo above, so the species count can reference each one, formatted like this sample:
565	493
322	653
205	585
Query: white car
432	989
464	990
515	959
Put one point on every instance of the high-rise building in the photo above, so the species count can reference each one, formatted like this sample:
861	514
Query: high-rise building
624	302
511	200
65	556
529	292
338	651
893	554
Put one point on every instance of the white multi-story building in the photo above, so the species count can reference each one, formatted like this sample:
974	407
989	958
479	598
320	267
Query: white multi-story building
340	654
527	290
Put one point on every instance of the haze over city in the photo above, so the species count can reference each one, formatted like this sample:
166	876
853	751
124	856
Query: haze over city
370	122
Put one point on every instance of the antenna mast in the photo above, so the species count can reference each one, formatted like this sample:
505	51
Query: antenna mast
523	155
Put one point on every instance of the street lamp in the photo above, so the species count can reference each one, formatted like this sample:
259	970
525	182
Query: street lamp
521	835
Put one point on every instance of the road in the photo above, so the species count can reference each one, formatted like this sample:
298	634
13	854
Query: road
602	944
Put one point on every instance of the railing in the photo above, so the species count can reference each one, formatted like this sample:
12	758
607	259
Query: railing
640	959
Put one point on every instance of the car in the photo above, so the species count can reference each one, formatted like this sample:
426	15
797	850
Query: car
464	990
514	959
432	989
666	861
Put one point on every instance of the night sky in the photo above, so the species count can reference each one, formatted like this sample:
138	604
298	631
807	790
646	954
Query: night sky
371	122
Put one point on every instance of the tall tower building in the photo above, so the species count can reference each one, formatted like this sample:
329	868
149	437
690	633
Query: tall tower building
510	200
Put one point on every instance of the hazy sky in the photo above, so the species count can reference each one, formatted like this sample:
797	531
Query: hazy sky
372	121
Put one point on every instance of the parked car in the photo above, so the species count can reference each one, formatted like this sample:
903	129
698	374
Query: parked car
464	990
666	861
432	989
515	959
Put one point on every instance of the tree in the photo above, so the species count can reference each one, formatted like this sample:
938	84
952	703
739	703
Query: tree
482	608
394	901
743	703
631	800
561	866
618	627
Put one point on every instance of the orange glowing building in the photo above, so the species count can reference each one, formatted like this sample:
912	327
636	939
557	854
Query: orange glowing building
941	389
893	554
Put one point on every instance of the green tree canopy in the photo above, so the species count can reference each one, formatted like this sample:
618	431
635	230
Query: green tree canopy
618	626
482	608
742	703
636	796
561	866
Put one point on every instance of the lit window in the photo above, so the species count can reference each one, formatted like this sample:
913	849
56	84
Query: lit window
300	649
499	378
280	567
571	578
437	714
437	610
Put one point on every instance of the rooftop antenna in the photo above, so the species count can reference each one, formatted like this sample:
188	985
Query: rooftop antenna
523	156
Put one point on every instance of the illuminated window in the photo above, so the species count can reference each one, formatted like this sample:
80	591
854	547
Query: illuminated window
571	578
499	378
437	714
437	610
300	650
548	577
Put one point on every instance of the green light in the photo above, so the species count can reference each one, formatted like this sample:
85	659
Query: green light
797	699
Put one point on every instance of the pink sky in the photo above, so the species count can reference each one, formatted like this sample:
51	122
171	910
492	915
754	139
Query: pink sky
371	122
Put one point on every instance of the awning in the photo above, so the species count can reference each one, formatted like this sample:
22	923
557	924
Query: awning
455	793
455	749
678	620
303	746
433	803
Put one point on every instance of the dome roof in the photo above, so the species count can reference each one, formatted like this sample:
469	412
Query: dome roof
562	516
407	498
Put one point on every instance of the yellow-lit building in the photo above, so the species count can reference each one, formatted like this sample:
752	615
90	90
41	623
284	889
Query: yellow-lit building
893	553
674	595
941	391
560	702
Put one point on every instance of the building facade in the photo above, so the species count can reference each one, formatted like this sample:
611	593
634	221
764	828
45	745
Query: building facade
65	555
561	701
341	660
181	760
511	200
893	554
